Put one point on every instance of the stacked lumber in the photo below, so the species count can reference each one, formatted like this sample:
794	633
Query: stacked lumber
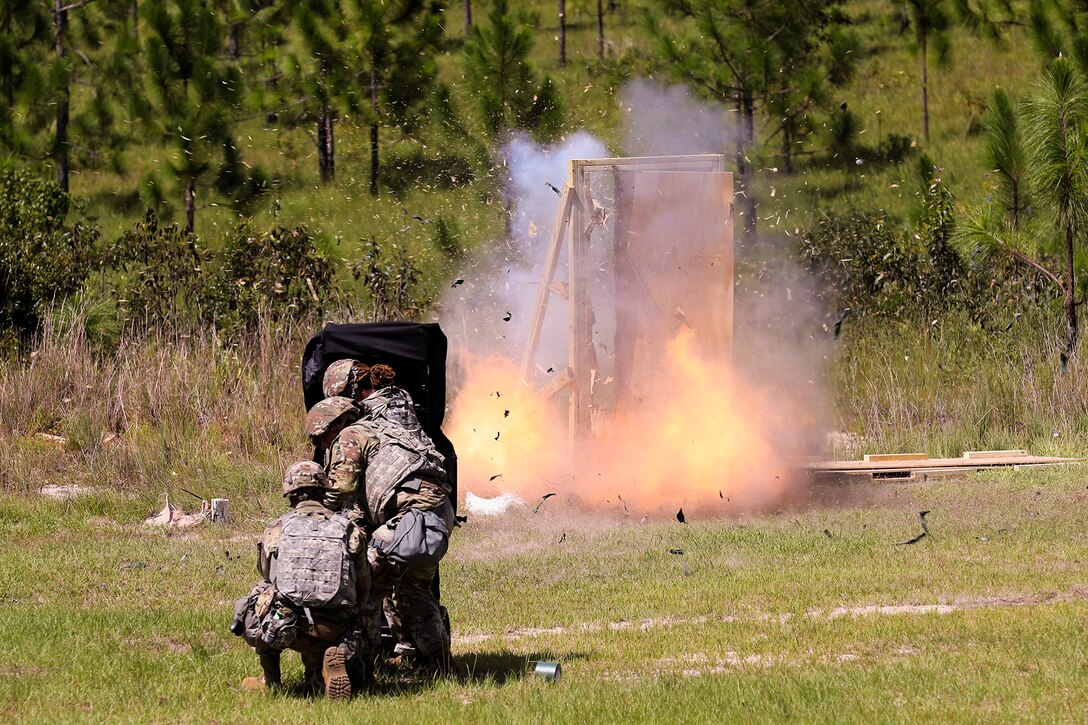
919	466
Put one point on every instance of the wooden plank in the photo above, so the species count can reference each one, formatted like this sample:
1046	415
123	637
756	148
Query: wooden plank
688	162
551	261
932	463
871	457
973	455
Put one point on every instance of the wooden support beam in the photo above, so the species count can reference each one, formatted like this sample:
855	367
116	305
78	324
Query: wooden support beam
551	260
581	326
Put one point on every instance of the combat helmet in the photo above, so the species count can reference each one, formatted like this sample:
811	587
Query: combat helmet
329	410
304	474
341	377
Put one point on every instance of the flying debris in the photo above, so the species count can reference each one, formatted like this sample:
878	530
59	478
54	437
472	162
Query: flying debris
827	533
506	317
497	475
553	187
498	434
545	498
678	552
838	323
919	537
457	283
506	414
680	516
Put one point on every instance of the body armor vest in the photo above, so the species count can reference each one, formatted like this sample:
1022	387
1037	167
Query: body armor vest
312	564
402	454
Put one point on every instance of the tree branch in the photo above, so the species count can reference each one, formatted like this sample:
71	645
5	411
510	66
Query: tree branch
1025	259
73	6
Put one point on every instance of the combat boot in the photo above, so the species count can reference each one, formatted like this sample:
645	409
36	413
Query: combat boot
270	674
335	672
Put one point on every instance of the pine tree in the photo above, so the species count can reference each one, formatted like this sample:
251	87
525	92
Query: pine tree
190	94
372	57
1005	152
398	45
45	50
503	82
1054	127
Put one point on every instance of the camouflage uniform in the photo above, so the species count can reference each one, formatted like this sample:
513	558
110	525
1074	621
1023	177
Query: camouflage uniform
270	622
381	467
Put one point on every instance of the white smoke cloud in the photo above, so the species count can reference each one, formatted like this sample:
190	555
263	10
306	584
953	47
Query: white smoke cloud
663	120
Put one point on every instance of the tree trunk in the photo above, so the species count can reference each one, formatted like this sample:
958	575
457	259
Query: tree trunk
787	148
748	105
1015	204
738	135
330	144
600	29
468	16
925	90
190	204
1070	293
322	147
235	41
374	134
60	140
562	32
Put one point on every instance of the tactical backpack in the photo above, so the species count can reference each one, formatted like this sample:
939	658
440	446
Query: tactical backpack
313	567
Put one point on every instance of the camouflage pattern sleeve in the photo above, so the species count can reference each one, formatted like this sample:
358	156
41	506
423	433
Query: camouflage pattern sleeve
347	464
357	550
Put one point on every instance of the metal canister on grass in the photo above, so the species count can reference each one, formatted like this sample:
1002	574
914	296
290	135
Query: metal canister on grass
548	671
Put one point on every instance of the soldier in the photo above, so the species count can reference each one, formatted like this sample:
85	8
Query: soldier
385	468
316	580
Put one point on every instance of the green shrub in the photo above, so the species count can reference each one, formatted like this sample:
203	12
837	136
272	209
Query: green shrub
274	274
42	258
389	282
157	272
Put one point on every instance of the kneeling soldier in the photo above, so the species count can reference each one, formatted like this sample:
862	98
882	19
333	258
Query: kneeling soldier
316	580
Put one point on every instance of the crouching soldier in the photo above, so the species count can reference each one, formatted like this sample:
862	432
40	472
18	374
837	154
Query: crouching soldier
316	579
386	470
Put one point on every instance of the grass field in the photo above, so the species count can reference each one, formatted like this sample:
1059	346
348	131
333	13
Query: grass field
810	613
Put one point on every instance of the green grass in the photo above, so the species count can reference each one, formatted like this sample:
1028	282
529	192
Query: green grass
744	633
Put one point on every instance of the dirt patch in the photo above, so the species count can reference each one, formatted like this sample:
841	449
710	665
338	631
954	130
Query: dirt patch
20	671
868	610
